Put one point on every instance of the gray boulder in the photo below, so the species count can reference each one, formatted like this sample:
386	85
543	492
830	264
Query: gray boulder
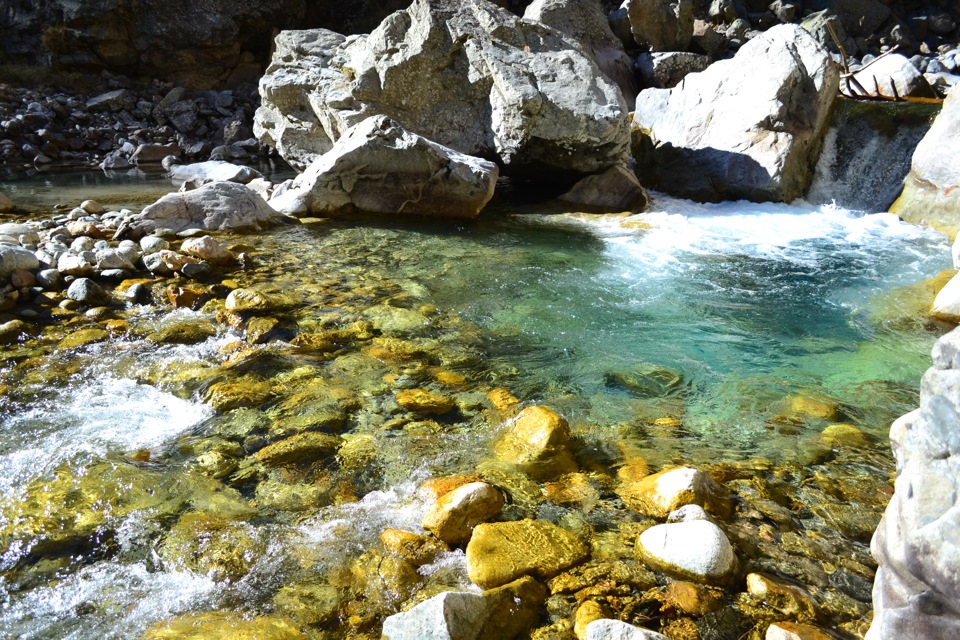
666	70
211	171
585	22
13	257
750	127
693	549
218	205
930	192
378	167
112	101
916	593
892	76
661	25
449	616
616	189
467	75
87	291
6	204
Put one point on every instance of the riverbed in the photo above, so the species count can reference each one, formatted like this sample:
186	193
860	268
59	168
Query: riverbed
726	337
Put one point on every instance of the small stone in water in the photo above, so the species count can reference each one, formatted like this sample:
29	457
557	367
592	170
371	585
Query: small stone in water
197	270
92	206
247	300
138	294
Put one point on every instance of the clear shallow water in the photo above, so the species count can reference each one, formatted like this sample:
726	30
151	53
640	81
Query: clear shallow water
744	304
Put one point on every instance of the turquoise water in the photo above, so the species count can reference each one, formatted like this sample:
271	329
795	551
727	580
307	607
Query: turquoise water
711	316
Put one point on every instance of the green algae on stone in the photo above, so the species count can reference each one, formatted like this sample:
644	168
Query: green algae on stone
183	333
211	545
224	625
308	603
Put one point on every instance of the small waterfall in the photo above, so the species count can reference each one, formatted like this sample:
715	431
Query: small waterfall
867	152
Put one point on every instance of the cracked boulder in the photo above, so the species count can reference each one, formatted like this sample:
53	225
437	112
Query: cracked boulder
379	167
468	75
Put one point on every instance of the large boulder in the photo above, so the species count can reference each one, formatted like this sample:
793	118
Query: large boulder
916	593
467	75
586	23
750	127
211	171
661	25
379	167
218	205
931	191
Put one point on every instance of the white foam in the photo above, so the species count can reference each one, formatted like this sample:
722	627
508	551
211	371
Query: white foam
96	417
127	598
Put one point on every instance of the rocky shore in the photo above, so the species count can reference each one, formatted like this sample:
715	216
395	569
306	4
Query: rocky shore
420	118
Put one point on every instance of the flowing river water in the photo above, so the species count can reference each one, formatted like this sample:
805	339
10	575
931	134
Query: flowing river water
726	337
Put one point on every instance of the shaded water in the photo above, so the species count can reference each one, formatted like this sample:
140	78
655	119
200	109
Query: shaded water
678	336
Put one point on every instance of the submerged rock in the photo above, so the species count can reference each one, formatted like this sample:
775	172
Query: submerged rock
468	75
216	206
930	192
219	625
709	140
501	552
379	167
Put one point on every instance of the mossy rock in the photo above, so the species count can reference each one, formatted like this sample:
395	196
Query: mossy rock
183	333
234	394
211	545
304	448
82	338
292	497
311	604
222	625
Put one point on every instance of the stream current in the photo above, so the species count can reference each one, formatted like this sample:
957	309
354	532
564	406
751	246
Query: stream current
684	335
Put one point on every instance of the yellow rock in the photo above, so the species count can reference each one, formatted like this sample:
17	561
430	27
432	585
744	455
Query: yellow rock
805	407
501	552
573	488
789	600
422	401
587	613
227	395
210	545
248	300
439	486
503	401
416	549
659	494
840	436
299	449
453	517
218	625
449	378
537	442
512	609
691	599
82	338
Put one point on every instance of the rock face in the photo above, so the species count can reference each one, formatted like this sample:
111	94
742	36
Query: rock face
711	139
661	25
218	205
585	22
696	550
917	588
467	75
501	552
378	167
931	191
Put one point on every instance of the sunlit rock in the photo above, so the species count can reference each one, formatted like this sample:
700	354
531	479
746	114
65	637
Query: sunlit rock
211	545
537	441
659	494
416	549
696	550
501	552
453	516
